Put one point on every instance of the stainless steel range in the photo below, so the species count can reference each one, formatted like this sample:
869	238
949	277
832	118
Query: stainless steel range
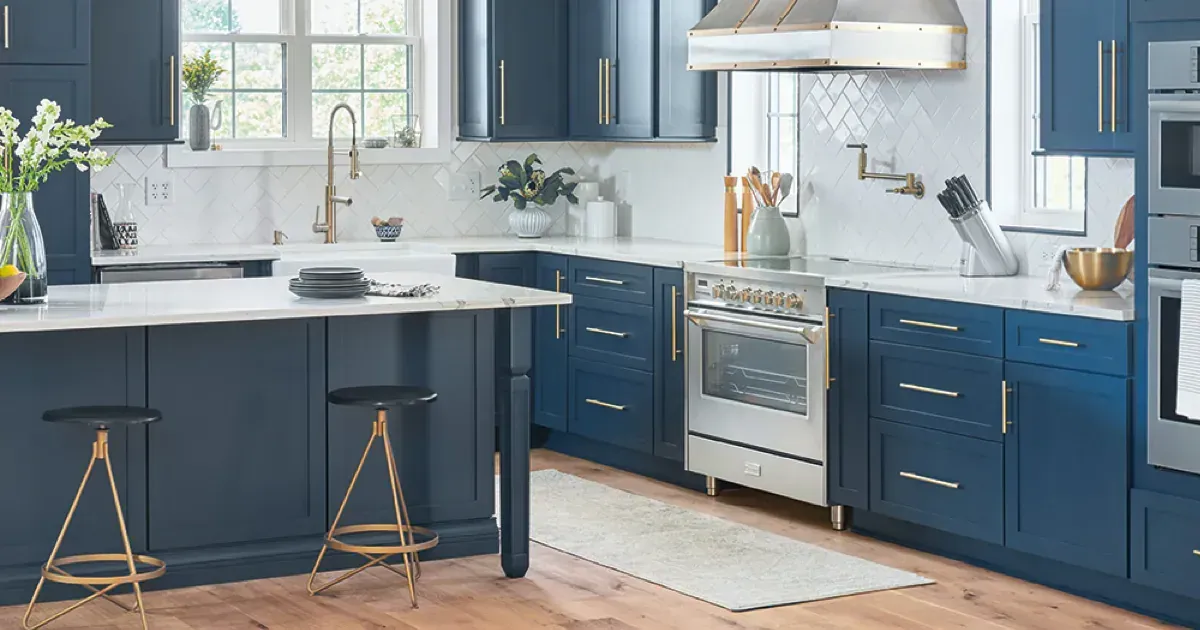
757	373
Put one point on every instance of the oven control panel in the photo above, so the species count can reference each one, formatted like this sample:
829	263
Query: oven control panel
788	299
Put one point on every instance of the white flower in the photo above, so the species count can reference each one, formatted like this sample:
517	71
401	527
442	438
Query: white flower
81	166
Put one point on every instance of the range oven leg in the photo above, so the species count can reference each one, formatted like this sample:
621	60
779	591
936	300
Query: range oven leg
712	485
837	514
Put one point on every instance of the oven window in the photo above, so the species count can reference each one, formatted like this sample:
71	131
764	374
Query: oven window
756	371
1168	358
1180	159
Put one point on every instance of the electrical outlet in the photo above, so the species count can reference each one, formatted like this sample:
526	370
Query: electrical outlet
160	190
464	186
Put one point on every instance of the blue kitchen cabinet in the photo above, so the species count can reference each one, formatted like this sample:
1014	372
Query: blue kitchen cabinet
612	405
135	70
46	32
61	202
1166	543
670	371
550	326
847	464
1066	472
516	269
512	70
687	100
612	57
1164	10
1085	79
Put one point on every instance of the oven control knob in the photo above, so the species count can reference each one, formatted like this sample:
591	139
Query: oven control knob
794	301
718	291
756	297
778	300
768	298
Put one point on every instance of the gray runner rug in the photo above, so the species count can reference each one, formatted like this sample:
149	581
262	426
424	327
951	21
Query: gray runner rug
721	562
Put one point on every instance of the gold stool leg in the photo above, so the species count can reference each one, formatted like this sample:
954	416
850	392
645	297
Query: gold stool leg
336	519
137	588
401	514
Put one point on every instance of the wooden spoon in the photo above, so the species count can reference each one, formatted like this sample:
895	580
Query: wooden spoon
776	177
1123	232
755	178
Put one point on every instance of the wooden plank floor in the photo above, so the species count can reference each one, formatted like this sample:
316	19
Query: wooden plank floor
566	593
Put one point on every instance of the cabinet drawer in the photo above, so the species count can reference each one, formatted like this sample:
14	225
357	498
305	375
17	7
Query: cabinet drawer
936	389
612	280
938	324
612	404
1166	543
1077	343
945	481
613	332
800	480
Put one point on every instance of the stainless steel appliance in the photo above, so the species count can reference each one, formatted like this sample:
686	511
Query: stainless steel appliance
1174	82
157	273
757	373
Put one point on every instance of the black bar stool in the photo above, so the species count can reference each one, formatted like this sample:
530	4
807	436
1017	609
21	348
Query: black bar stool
101	419
381	398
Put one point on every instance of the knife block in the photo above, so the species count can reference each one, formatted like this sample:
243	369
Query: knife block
986	250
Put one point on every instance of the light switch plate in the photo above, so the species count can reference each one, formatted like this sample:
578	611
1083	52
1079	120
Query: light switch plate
160	190
464	186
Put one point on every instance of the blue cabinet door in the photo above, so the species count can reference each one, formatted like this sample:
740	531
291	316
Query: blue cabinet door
592	41
1085	106
550	347
849	444
52	32
515	269
613	64
61	202
687	100
1163	10
1066	478
669	372
135	49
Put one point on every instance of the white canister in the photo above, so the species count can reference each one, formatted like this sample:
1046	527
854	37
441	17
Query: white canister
585	192
601	219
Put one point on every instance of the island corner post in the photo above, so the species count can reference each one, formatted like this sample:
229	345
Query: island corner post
235	483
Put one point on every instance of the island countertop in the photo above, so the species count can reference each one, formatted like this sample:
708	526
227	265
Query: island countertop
249	299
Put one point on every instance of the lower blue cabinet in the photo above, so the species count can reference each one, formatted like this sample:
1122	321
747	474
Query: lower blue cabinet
847	463
1166	543
1066	474
945	481
550	347
517	269
669	364
613	332
612	404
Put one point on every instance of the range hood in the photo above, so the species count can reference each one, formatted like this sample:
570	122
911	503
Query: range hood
829	35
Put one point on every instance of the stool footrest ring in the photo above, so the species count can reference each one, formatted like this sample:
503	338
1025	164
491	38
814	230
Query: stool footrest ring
160	568
431	539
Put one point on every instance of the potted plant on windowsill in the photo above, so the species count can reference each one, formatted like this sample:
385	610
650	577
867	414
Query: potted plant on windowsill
199	75
527	184
26	164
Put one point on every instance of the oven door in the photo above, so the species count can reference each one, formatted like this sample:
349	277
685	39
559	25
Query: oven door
1175	155
1174	440
757	381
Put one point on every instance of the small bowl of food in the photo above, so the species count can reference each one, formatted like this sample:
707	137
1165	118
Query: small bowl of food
1098	268
10	280
388	230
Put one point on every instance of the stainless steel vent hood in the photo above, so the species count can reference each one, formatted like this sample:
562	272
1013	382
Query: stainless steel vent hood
829	35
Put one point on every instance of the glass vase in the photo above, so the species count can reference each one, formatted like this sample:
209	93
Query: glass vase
21	245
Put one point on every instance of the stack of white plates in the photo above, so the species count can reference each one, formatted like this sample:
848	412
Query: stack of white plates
330	283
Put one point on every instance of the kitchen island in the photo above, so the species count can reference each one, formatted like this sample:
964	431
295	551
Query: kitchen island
241	478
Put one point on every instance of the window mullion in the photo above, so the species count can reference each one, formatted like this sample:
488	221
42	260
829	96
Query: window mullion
300	70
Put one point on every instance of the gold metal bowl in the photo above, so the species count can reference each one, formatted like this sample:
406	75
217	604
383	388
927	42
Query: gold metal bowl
1098	268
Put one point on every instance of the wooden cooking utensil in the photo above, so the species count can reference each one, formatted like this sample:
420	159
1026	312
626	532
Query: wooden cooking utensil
776	177
1123	232
755	177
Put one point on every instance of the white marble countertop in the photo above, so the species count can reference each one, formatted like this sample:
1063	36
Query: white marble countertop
248	299
184	254
1018	292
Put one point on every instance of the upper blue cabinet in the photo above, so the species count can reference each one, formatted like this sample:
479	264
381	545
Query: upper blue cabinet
1164	10
582	70
50	32
1085	104
135	62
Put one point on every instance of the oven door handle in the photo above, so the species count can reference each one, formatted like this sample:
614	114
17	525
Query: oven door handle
812	334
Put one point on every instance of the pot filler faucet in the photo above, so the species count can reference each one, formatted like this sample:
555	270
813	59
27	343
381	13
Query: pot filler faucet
329	227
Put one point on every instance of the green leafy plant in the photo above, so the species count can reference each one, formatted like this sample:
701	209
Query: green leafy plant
525	184
199	75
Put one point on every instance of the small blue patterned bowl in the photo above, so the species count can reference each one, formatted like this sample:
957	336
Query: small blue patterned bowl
388	233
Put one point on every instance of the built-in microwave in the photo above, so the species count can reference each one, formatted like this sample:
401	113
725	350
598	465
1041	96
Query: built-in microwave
1174	129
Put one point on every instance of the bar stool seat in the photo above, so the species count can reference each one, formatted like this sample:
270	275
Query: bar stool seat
413	539
100	419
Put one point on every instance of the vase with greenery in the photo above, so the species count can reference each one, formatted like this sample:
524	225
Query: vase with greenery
526	184
199	75
27	162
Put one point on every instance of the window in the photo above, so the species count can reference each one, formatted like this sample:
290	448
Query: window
765	125
289	62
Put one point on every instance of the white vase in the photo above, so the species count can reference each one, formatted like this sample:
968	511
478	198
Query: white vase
532	222
768	234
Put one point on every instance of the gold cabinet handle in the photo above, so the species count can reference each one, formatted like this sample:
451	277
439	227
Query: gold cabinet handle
607	91
920	324
6	27
929	390
1005	390
1057	342
675	351
601	403
1113	96
923	479
1196	551
828	334
601	331
1100	87
558	330
171	99
600	91
604	280
502	95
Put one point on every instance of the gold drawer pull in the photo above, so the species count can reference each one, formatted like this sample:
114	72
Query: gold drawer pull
929	390
601	331
913	322
601	403
1196	551
1057	342
604	280
923	479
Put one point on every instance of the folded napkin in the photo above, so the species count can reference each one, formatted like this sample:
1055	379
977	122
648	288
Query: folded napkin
1187	397
383	289
1054	276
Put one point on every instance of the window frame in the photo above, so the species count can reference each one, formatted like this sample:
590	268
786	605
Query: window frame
429	40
